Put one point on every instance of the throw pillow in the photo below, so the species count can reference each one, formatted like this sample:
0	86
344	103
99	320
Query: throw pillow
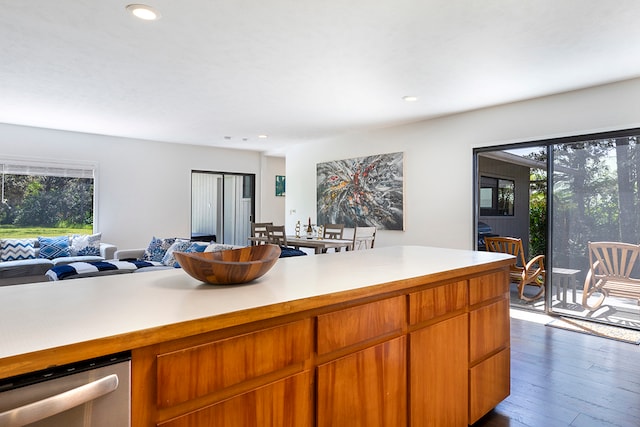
16	249
85	244
193	247
217	247
157	248
178	246
197	247
54	247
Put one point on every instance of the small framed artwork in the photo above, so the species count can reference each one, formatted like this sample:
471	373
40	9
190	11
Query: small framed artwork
280	185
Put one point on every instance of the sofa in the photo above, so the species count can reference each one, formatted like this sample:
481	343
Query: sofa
28	260
160	252
158	255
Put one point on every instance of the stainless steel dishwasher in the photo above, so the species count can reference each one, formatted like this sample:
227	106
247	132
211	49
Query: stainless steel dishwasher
94	393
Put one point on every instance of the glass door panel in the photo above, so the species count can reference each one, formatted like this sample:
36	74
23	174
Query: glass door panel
512	202
595	199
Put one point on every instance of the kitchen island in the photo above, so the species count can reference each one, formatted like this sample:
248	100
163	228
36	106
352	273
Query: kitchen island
391	336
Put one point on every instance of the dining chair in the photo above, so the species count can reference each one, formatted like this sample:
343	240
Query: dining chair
522	273
259	229
332	231
276	235
363	238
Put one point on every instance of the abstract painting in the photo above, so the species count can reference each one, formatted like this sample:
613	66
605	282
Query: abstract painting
363	191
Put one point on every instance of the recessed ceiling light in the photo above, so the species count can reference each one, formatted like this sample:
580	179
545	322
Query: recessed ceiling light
143	11
263	136
410	98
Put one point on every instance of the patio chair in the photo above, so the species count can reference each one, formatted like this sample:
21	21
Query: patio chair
522	272
259	229
363	238
612	266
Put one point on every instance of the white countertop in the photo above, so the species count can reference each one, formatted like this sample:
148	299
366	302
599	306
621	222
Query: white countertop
43	316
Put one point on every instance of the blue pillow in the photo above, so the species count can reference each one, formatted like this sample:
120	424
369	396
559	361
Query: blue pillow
157	249
85	245
186	246
197	247
286	252
54	247
178	246
16	249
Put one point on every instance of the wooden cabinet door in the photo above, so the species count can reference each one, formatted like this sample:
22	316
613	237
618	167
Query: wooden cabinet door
284	403
364	389
438	357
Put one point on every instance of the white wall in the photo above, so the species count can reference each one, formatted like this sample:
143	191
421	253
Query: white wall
439	156
143	187
272	206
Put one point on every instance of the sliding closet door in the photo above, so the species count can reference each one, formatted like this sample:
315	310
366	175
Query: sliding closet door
222	205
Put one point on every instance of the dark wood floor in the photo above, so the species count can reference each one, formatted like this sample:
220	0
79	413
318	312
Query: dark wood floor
563	378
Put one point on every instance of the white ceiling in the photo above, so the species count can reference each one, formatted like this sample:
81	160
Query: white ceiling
220	73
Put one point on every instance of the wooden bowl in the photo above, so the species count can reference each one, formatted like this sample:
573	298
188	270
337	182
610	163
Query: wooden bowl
231	266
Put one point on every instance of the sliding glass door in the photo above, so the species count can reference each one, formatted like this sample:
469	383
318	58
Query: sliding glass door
222	206
512	202
557	196
595	199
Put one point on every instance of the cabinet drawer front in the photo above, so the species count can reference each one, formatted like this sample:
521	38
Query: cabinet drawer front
431	303
366	388
358	324
197	371
488	329
489	384
284	403
489	286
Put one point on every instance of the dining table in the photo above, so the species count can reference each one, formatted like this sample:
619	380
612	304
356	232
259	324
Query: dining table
319	245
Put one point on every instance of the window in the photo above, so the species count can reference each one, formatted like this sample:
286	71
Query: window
45	198
496	196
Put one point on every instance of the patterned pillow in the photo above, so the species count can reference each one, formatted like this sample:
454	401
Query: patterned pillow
54	247
178	246
16	249
197	247
193	247
85	244
217	247
157	248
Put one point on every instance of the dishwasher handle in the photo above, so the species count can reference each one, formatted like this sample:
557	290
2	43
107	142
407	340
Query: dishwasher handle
53	405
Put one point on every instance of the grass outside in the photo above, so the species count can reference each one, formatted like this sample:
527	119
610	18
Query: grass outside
13	232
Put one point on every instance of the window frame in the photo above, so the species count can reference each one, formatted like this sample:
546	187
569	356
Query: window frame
494	209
